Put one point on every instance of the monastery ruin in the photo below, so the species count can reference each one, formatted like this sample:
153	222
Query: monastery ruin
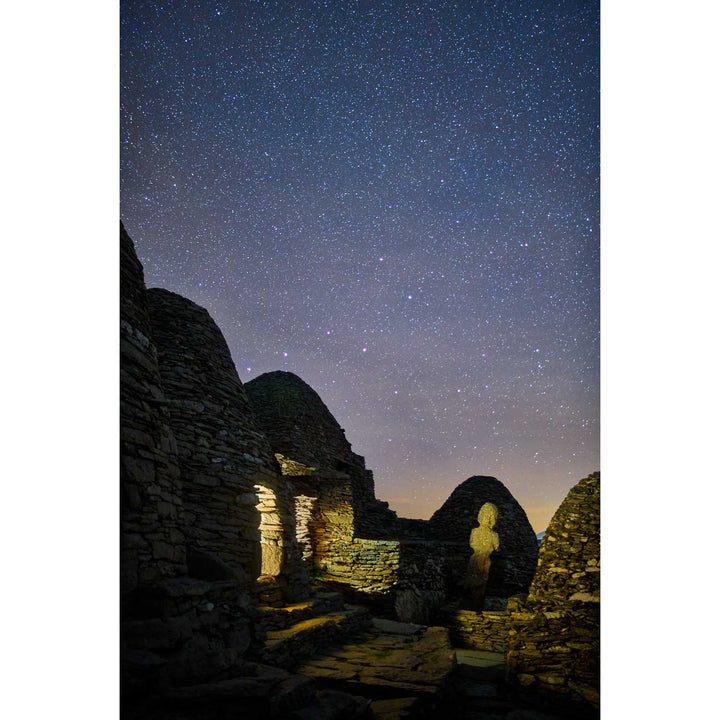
262	578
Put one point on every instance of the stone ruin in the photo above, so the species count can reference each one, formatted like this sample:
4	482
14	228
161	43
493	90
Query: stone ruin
247	520
407	568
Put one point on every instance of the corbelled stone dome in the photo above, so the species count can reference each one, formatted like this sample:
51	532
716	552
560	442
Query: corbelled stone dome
513	564
297	422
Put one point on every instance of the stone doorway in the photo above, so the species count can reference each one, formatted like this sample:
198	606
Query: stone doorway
271	543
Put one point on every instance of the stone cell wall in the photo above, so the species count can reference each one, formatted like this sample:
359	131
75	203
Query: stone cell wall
152	542
421	581
568	568
364	570
226	463
555	640
302	430
298	423
486	630
513	565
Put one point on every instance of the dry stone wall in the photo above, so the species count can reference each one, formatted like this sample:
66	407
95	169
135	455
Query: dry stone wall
174	629
421	581
555	640
152	539
309	442
485	630
302	430
227	466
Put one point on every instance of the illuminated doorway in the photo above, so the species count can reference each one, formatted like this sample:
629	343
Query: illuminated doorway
271	543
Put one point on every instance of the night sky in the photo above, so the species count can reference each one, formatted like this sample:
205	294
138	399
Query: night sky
397	201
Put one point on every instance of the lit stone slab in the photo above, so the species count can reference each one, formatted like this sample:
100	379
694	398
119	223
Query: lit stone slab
479	658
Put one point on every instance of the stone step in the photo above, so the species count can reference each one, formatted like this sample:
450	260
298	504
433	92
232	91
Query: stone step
410	667
287	647
280	618
269	692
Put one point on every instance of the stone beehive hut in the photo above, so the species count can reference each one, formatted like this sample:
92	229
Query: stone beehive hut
233	494
152	539
302	430
173	626
352	535
555	640
297	422
513	564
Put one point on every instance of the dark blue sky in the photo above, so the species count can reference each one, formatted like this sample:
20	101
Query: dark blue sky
397	201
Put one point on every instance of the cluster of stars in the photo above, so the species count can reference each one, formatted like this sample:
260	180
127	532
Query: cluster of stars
399	203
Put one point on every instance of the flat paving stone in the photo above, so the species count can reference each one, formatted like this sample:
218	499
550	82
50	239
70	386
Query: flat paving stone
415	661
479	658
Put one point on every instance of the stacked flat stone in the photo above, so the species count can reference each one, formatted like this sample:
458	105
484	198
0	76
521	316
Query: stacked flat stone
302	430
513	565
152	540
297	422
555	640
224	459
486	630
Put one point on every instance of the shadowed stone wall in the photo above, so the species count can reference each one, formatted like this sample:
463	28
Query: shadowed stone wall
174	629
555	640
152	543
485	630
227	467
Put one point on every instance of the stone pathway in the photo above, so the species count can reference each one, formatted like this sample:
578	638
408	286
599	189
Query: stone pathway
401	668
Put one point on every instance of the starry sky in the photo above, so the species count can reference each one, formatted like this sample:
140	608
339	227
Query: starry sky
397	201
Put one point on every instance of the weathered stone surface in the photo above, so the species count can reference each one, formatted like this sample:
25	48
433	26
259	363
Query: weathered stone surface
396	628
222	454
284	648
148	462
416	664
554	641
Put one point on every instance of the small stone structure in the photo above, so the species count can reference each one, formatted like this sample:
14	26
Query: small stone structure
354	540
301	429
513	563
234	496
554	644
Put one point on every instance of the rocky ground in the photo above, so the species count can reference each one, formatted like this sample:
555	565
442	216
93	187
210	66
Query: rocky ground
323	660
478	691
401	668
